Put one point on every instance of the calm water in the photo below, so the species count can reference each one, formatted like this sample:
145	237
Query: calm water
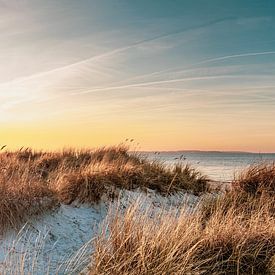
217	165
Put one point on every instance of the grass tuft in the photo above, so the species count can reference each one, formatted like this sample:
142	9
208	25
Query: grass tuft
226	243
32	182
230	233
256	180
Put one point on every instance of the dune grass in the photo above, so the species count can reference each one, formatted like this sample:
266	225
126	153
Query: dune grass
256	180
233	233
229	233
32	182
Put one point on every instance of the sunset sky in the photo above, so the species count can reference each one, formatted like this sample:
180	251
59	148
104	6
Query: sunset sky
170	74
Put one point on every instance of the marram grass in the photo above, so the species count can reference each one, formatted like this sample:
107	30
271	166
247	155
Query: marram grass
33	182
230	233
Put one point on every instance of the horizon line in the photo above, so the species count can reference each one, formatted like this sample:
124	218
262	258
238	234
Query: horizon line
5	146
206	151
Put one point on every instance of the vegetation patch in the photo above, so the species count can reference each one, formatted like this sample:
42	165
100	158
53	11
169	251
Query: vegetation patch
32	182
230	233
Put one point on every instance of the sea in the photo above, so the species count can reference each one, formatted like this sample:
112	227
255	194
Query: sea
218	166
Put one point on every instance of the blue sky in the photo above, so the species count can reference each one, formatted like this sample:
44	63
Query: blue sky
172	74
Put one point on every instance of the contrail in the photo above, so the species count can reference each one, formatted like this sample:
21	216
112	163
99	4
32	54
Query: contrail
144	84
122	49
233	56
156	73
209	61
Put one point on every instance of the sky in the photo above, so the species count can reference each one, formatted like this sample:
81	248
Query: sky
173	75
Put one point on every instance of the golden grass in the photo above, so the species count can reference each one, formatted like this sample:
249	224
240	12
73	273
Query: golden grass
22	193
230	243
256	180
32	182
230	233
253	187
233	233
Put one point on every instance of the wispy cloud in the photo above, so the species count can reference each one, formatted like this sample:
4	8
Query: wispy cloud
144	84
97	64
123	49
221	58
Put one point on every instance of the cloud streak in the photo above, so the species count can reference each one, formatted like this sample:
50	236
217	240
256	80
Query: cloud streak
122	49
226	57
151	83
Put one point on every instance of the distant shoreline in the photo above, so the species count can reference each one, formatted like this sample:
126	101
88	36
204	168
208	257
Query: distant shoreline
202	151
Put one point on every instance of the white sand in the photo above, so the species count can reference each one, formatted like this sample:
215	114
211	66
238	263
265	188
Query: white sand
61	241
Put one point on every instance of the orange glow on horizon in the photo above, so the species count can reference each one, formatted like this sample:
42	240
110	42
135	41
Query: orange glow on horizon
146	137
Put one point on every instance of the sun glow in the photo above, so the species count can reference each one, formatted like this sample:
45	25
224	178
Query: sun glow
167	82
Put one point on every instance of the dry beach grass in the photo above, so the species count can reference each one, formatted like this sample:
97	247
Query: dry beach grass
231	232
230	243
33	182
